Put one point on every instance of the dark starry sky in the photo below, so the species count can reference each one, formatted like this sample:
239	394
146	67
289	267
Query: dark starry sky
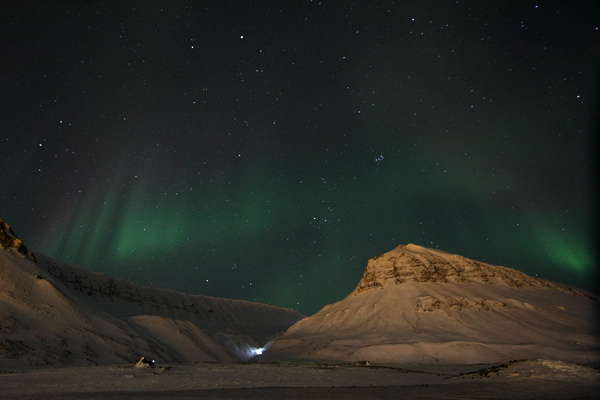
265	150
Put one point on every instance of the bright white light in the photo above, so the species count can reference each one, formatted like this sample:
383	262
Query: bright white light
257	351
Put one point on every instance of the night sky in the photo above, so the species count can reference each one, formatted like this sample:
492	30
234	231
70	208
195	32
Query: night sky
266	150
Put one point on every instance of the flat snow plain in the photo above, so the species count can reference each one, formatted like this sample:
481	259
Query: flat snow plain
279	380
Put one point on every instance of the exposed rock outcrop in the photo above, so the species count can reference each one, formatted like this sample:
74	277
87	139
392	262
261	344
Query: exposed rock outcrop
413	263
11	243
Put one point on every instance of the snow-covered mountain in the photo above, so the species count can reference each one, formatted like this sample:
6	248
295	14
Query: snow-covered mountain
53	313
421	305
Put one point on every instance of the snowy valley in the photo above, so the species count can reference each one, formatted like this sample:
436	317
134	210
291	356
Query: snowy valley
421	321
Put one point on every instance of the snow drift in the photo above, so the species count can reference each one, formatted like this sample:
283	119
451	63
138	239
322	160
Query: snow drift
420	305
58	314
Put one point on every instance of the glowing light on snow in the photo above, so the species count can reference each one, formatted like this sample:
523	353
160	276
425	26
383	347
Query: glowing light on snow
257	351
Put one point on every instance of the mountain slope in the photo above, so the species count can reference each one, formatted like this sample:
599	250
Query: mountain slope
53	313
419	305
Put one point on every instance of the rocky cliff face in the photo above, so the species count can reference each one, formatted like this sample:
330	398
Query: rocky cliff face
10	242
413	263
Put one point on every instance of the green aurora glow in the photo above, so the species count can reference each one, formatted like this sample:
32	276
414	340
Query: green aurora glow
267	153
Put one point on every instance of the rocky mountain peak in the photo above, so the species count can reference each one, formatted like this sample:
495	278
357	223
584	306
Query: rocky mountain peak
11	243
413	263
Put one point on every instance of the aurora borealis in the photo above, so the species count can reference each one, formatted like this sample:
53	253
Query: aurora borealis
265	151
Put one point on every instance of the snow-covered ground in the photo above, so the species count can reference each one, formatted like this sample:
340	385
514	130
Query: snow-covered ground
517	380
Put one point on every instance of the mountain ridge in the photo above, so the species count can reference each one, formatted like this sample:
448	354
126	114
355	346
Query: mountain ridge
412	305
414	263
420	305
53	313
